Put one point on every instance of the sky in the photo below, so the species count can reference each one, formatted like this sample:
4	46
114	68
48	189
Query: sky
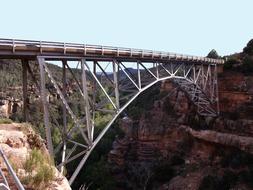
191	27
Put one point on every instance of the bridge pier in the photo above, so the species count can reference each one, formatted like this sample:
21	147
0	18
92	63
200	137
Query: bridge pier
64	114
43	95
24	88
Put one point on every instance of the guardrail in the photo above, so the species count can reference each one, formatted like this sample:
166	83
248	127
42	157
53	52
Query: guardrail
43	47
5	183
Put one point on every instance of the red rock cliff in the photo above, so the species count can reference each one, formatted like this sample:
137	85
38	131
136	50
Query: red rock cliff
192	152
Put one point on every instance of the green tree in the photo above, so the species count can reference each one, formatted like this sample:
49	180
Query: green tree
213	54
249	48
247	65
230	62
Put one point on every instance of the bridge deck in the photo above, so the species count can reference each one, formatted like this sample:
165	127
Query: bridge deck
13	48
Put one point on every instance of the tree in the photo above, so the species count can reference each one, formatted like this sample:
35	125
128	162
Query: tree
230	62
213	54
247	65
249	48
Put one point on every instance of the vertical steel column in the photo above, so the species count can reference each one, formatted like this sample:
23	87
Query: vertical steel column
216	88
157	70
139	75
25	97
116	82
64	114
202	76
41	62
94	99
172	69
86	99
194	74
211	84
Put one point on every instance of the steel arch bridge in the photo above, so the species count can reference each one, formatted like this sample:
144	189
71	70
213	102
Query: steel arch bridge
119	74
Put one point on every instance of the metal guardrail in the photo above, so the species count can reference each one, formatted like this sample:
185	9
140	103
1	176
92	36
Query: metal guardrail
5	184
43	47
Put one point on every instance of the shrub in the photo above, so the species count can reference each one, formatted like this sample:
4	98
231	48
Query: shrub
34	159
229	63
44	175
249	48
213	54
39	169
247	65
5	121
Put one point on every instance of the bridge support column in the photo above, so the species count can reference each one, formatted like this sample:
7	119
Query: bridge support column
139	74
86	99
216	88
116	82
64	114
43	94
24	86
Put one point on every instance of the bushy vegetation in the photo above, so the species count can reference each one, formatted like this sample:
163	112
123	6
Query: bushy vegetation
39	170
5	121
230	63
10	74
213	54
247	64
237	166
241	62
249	48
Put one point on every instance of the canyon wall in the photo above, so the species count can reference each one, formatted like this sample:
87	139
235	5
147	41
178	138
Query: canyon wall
171	147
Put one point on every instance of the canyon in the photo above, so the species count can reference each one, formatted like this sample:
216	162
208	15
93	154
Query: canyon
171	147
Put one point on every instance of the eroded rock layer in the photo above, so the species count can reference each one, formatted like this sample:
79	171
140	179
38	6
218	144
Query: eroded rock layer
171	147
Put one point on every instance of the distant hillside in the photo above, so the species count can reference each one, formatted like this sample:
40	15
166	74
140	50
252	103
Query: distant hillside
241	62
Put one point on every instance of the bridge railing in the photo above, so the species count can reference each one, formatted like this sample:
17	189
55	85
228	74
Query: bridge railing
5	184
16	45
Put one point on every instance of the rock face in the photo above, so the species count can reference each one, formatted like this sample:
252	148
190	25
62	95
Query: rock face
16	141
8	107
170	147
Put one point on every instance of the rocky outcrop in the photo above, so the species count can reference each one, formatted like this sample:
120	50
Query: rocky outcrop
8	107
236	141
17	141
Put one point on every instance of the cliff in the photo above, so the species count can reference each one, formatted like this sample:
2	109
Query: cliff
170	147
22	146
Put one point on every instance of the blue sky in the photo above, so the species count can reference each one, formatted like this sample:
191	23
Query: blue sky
183	26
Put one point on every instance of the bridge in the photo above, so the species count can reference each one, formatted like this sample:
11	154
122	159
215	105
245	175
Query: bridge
120	74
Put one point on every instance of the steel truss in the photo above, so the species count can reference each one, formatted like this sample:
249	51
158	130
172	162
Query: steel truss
120	86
